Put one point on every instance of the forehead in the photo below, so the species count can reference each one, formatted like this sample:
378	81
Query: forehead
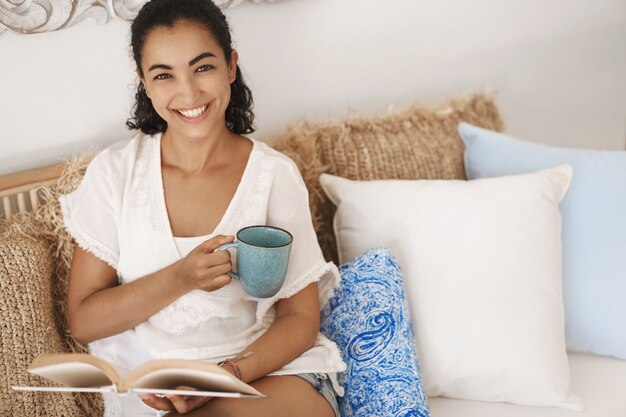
178	43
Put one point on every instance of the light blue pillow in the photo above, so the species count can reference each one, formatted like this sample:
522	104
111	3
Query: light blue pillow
368	317
594	230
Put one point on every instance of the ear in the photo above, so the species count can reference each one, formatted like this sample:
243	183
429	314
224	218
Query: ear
232	67
142	81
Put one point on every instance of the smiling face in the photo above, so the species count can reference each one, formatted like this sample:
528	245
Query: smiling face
187	78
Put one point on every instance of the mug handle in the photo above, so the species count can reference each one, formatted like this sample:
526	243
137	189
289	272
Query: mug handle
224	247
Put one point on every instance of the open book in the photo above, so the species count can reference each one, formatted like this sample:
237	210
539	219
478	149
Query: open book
80	372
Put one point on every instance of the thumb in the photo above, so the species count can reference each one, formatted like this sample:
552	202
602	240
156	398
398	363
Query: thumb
215	242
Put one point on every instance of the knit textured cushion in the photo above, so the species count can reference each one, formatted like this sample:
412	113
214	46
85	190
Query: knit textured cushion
27	327
418	143
35	257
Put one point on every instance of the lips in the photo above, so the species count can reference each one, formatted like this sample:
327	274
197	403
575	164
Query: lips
195	114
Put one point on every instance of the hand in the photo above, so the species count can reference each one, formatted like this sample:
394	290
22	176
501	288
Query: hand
182	404
204	269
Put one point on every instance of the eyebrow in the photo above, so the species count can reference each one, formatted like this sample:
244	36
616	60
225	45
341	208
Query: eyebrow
192	62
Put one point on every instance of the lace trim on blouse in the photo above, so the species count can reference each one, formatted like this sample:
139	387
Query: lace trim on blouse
84	241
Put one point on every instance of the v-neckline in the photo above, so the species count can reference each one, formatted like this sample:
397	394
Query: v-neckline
226	216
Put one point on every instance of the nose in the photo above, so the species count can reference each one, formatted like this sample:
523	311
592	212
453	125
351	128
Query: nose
188	91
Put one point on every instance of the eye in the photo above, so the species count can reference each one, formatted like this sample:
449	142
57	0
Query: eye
162	77
204	68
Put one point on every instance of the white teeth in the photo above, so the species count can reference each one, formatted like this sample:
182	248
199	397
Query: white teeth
193	113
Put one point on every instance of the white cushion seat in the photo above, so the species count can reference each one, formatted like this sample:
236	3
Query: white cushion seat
599	381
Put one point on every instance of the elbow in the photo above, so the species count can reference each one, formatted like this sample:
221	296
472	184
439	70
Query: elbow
81	340
79	329
303	329
314	331
78	333
310	328
313	340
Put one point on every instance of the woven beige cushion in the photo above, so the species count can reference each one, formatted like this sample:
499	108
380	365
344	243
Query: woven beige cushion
418	143
28	327
35	255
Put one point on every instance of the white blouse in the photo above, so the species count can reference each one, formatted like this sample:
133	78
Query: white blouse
118	213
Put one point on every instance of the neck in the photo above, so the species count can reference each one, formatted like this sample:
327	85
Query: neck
193	155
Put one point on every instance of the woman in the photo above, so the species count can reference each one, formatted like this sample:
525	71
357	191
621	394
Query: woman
145	281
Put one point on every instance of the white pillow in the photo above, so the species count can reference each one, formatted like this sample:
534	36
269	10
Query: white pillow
482	261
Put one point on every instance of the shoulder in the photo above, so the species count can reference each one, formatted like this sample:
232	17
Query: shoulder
283	171
276	160
119	159
126	150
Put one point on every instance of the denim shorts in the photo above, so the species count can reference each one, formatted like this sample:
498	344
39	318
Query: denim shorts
323	385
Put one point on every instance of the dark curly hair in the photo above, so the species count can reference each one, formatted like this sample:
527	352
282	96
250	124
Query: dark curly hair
156	13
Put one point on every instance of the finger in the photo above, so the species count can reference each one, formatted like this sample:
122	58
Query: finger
207	260
214	283
217	270
186	388
207	273
216	258
195	402
184	405
215	242
190	402
201	263
175	400
157	403
146	398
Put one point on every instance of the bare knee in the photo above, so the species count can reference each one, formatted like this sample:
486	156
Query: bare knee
288	396
218	407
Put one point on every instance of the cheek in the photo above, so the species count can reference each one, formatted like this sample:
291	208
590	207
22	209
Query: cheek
161	99
227	95
216	82
159	96
225	90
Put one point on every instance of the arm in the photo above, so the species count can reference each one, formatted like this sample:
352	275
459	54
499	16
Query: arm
293	332
98	307
297	321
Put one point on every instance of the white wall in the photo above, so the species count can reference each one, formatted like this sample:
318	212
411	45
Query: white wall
559	68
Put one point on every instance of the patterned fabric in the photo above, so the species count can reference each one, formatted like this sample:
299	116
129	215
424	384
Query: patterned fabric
368	317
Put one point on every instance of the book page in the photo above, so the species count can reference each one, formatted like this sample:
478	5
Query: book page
167	374
75	370
158	391
110	388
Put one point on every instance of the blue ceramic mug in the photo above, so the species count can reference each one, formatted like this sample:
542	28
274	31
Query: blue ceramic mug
262	259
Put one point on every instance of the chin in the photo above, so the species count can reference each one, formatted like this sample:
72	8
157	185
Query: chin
197	134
